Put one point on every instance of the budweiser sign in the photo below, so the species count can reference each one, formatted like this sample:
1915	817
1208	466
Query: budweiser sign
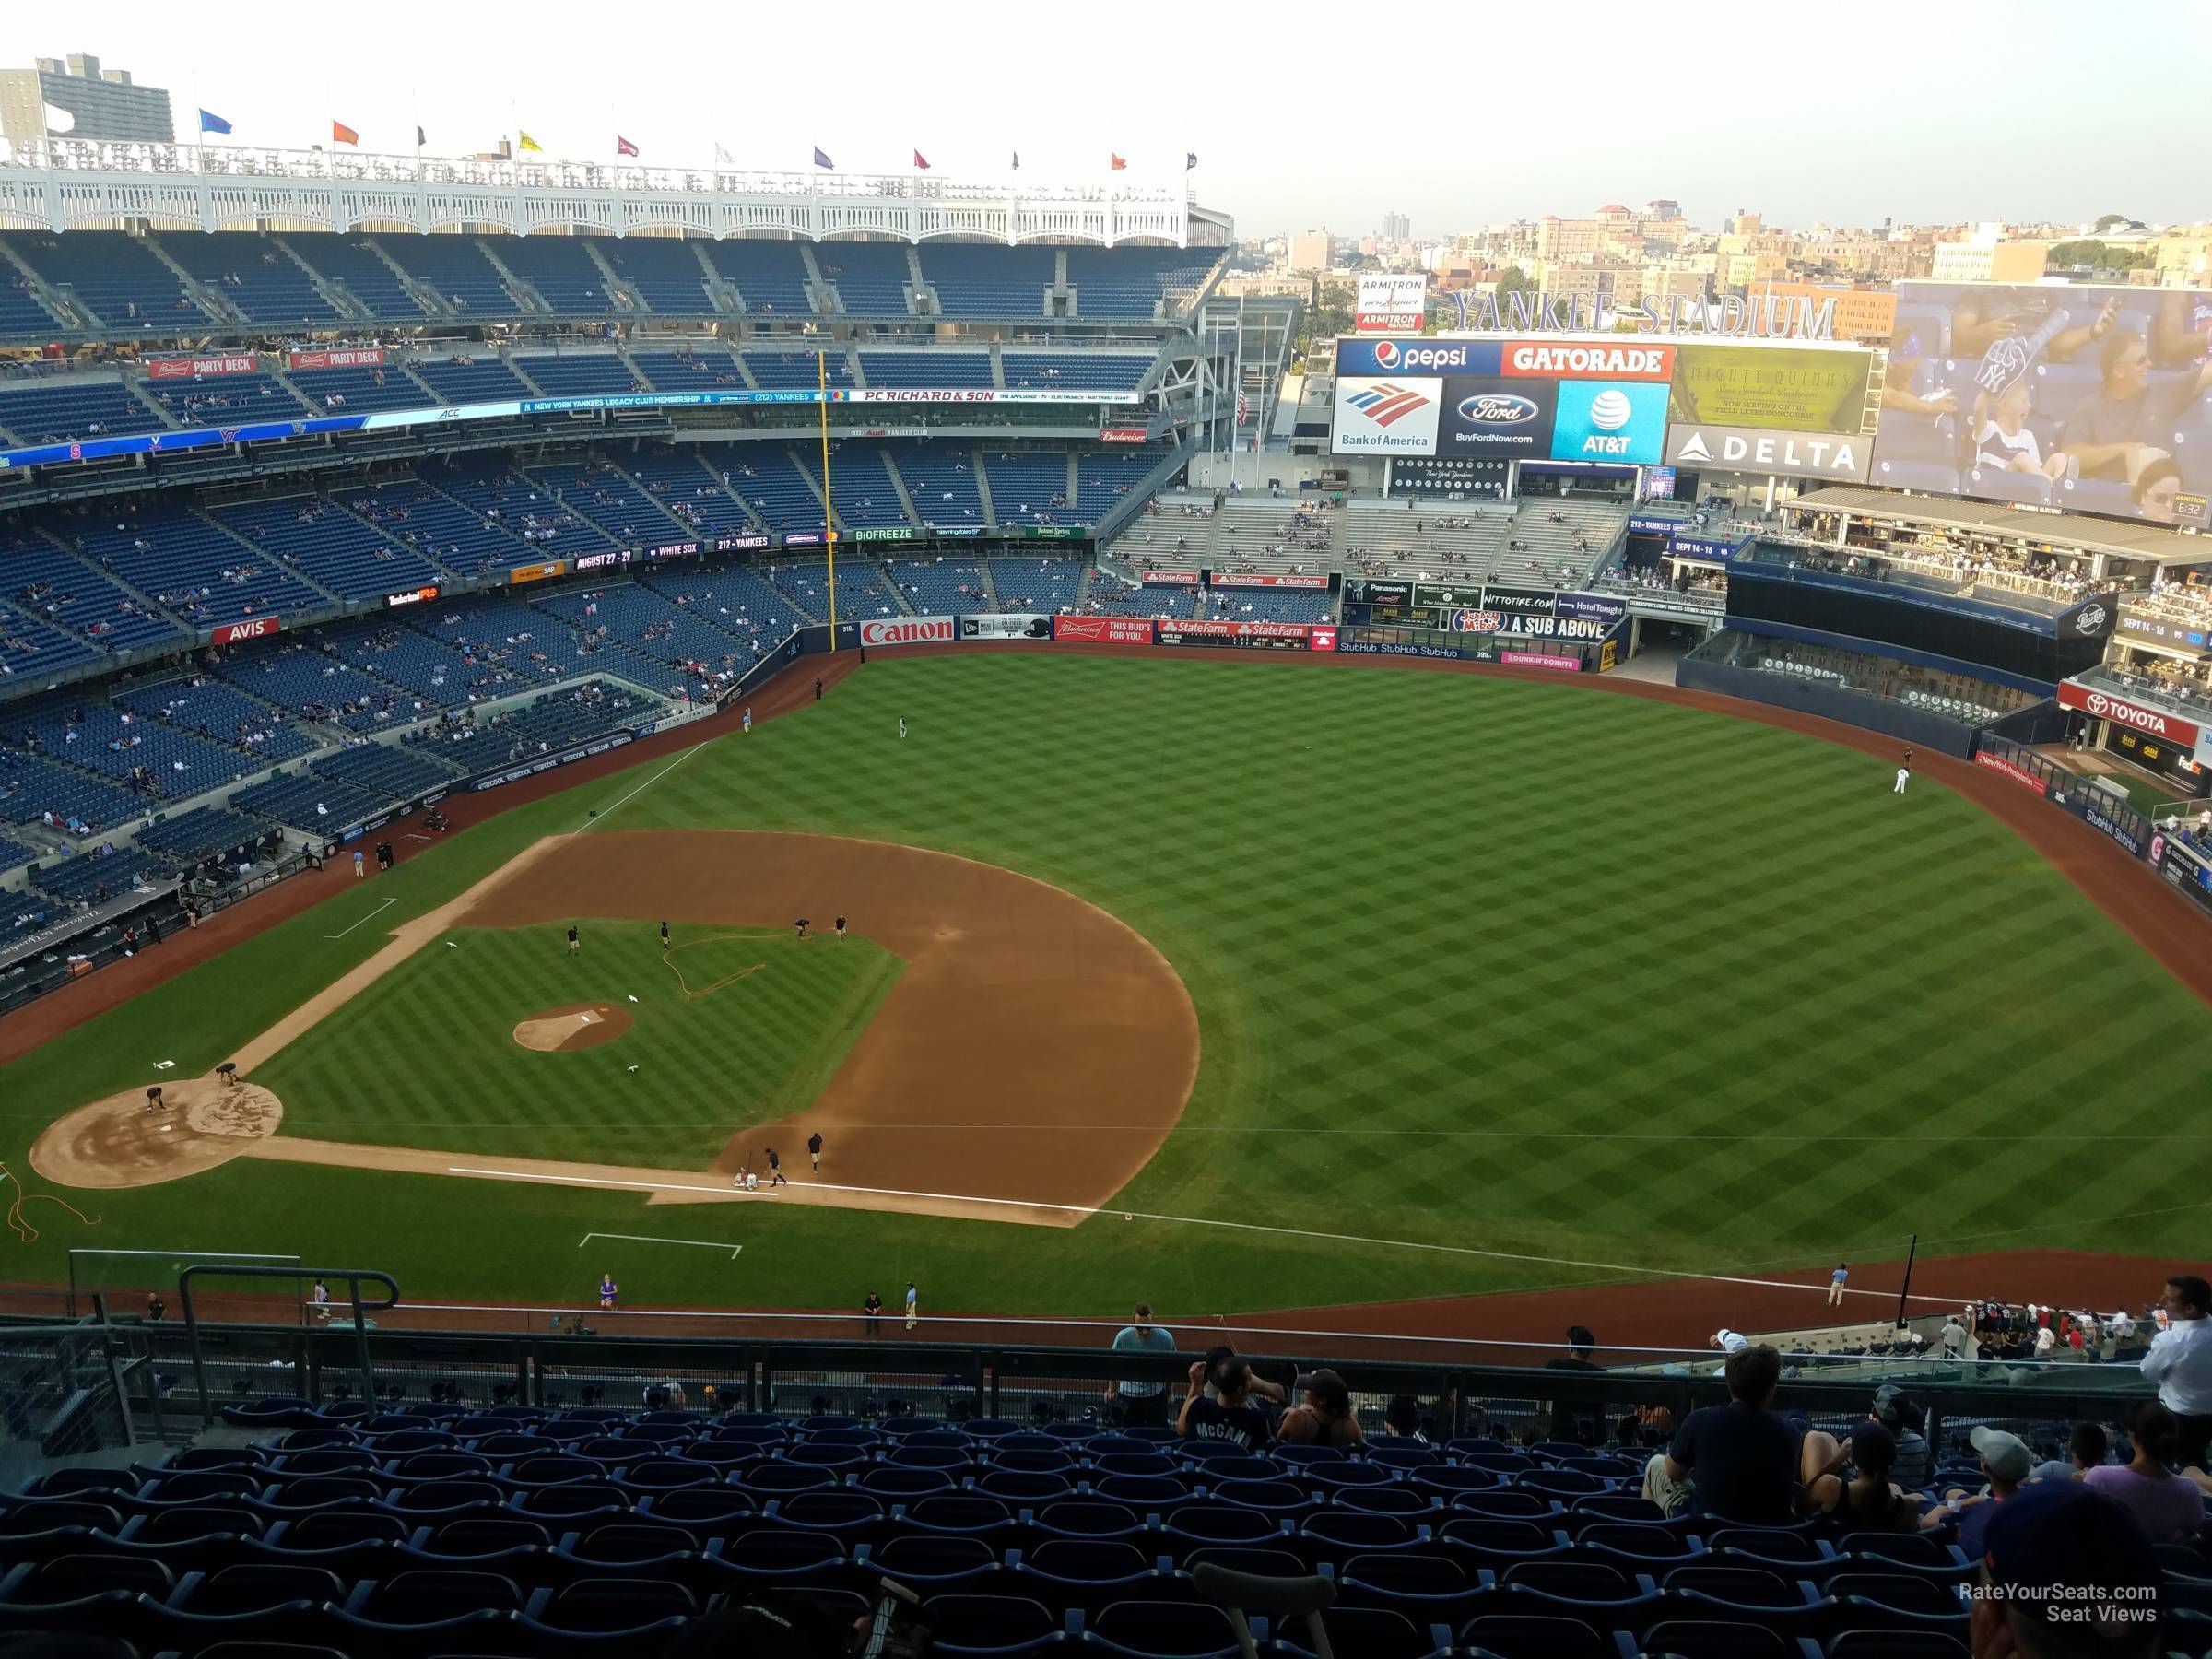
367	357
199	367
252	628
907	631
1123	434
2103	705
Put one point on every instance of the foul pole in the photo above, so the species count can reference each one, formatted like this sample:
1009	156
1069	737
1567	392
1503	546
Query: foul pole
821	370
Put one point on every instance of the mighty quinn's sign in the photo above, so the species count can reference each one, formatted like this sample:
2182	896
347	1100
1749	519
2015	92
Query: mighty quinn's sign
1770	317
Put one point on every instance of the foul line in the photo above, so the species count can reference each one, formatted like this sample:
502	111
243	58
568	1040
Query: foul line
646	1238
1254	1227
379	911
648	784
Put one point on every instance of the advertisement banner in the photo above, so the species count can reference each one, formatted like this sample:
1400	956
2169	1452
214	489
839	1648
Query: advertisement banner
1387	416
1639	524
2189	638
1391	304
884	532
1489	414
1417	356
2018	774
1272	636
1251	580
2083	399
1106	630
1622	422
1351	644
1170	579
1591	608
252	628
1008	625
907	630
412	596
800	538
977	394
1398	615
1322	636
2182	866
611	559
536	573
363	357
2171	729
1366	589
1790	454
1773	388
2092	620
1588	359
1475	621
1445	594
1521	602
2172	760
201	368
683	549
1123	434
1555	628
742	544
1541	659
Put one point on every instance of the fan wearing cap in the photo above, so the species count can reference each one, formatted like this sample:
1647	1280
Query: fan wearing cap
1323	1416
2006	1461
1895	1410
2066	1572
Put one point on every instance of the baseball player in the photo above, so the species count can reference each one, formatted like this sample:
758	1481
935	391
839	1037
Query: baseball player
748	717
840	930
801	924
664	938
901	732
1904	776
575	943
814	1150
775	1170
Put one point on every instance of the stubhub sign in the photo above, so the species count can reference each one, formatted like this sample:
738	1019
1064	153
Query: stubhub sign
1416	354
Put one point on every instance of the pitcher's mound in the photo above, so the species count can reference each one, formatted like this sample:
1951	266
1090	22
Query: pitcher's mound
118	1143
578	1026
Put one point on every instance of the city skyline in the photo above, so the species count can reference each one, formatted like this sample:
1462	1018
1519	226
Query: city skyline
1749	112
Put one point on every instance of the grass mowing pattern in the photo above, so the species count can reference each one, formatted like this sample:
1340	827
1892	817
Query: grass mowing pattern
706	1066
1479	963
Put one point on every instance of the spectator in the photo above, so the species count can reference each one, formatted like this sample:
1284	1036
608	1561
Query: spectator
1740	1460
2006	1463
2180	1362
1230	1415
2167	1505
1144	1403
1323	1416
2125	425
2085	1449
1954	1338
1867	1498
1896	1411
2066	1572
1566	1422
1402	1421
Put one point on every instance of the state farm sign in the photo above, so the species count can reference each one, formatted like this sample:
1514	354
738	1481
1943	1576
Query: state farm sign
907	631
2103	705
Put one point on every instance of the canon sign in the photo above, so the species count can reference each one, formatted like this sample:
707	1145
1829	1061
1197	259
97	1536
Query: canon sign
907	631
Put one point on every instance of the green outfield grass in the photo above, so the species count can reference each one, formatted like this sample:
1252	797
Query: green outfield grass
1481	964
755	1050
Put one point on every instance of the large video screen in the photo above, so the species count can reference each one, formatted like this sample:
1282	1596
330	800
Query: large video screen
2083	399
1773	388
1601	399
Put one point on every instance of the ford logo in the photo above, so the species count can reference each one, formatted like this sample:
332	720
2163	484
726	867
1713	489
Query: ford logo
1497	408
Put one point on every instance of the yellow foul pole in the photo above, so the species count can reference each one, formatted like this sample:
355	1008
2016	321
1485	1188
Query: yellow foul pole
822	370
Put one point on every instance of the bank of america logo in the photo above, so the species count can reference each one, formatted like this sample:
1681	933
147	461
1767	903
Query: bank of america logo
1387	402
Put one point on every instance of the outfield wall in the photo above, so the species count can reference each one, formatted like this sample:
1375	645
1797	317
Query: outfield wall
1919	727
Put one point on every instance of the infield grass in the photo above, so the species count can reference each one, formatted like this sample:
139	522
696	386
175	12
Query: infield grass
1581	981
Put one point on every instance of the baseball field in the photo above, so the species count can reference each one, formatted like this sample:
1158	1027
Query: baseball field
1234	985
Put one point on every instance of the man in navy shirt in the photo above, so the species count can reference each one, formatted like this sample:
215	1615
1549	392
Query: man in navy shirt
1739	1461
1232	1416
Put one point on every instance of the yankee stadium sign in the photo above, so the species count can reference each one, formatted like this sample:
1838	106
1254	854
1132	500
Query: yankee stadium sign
1773	316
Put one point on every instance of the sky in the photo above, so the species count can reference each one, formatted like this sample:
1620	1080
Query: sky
1844	113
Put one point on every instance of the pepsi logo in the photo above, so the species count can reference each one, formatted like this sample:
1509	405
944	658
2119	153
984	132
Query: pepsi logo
1497	408
1610	410
1386	354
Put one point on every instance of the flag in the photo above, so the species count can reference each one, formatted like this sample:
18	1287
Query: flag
1118	165
623	146
421	137
342	134
821	159
1190	160
919	162
212	123
1017	160
525	142
723	157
